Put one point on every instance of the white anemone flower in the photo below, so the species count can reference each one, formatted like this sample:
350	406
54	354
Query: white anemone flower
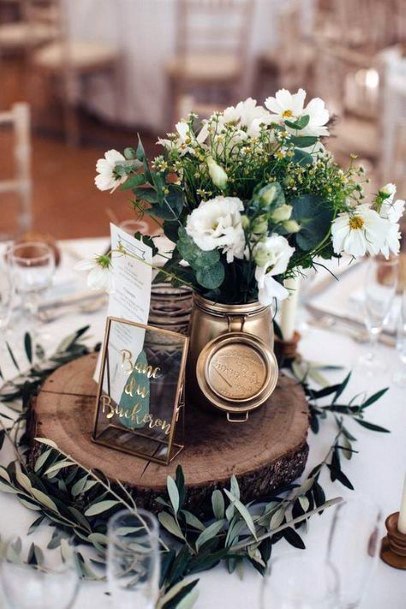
216	224
359	232
107	179
271	257
99	272
183	140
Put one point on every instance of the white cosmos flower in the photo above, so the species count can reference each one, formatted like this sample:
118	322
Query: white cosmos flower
216	224
392	241
359	232
392	210
99	272
106	178
244	113
271	257
318	117
288	106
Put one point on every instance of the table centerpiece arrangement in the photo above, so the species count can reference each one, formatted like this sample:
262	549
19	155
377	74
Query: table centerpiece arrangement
249	197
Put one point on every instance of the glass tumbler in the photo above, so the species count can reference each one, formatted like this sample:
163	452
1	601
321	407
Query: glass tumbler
133	562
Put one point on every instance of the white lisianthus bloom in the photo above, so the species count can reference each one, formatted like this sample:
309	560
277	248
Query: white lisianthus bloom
359	232
217	173
271	257
288	106
99	272
107	178
216	224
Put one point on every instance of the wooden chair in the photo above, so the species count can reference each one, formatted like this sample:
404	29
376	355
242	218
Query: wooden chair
290	63
67	63
212	44
36	26
18	118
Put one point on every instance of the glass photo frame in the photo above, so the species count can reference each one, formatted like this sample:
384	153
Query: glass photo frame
140	405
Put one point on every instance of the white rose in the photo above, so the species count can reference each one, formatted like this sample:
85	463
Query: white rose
216	224
272	258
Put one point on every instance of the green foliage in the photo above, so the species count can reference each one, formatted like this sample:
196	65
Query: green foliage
77	502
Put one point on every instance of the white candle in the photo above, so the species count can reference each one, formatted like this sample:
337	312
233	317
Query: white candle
402	512
289	308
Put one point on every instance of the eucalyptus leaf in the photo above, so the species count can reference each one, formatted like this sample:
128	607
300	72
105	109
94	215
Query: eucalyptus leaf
211	277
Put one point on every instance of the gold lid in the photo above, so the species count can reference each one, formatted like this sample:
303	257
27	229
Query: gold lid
237	372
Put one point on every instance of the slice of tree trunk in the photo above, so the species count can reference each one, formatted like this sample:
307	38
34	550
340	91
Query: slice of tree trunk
264	453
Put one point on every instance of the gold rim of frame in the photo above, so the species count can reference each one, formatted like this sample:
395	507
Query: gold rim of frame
177	405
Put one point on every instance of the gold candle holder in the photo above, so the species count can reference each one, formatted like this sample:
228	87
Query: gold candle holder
393	549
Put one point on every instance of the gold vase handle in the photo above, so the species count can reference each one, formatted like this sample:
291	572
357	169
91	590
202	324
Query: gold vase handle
236	323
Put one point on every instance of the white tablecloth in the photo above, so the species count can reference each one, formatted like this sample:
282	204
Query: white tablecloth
376	471
144	32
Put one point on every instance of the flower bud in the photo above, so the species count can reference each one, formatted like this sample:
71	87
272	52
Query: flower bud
260	225
245	222
262	256
282	213
271	194
217	174
291	226
130	154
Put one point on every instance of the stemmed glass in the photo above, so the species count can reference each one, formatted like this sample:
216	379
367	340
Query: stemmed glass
53	584
400	375
133	565
380	289
353	547
6	298
32	266
299	582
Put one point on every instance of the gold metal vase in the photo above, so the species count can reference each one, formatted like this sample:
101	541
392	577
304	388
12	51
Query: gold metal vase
231	366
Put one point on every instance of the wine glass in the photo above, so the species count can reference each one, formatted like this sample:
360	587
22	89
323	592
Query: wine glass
353	547
379	291
400	375
299	582
6	297
32	266
133	565
52	584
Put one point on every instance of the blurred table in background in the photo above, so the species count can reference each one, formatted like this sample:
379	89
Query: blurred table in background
145	34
